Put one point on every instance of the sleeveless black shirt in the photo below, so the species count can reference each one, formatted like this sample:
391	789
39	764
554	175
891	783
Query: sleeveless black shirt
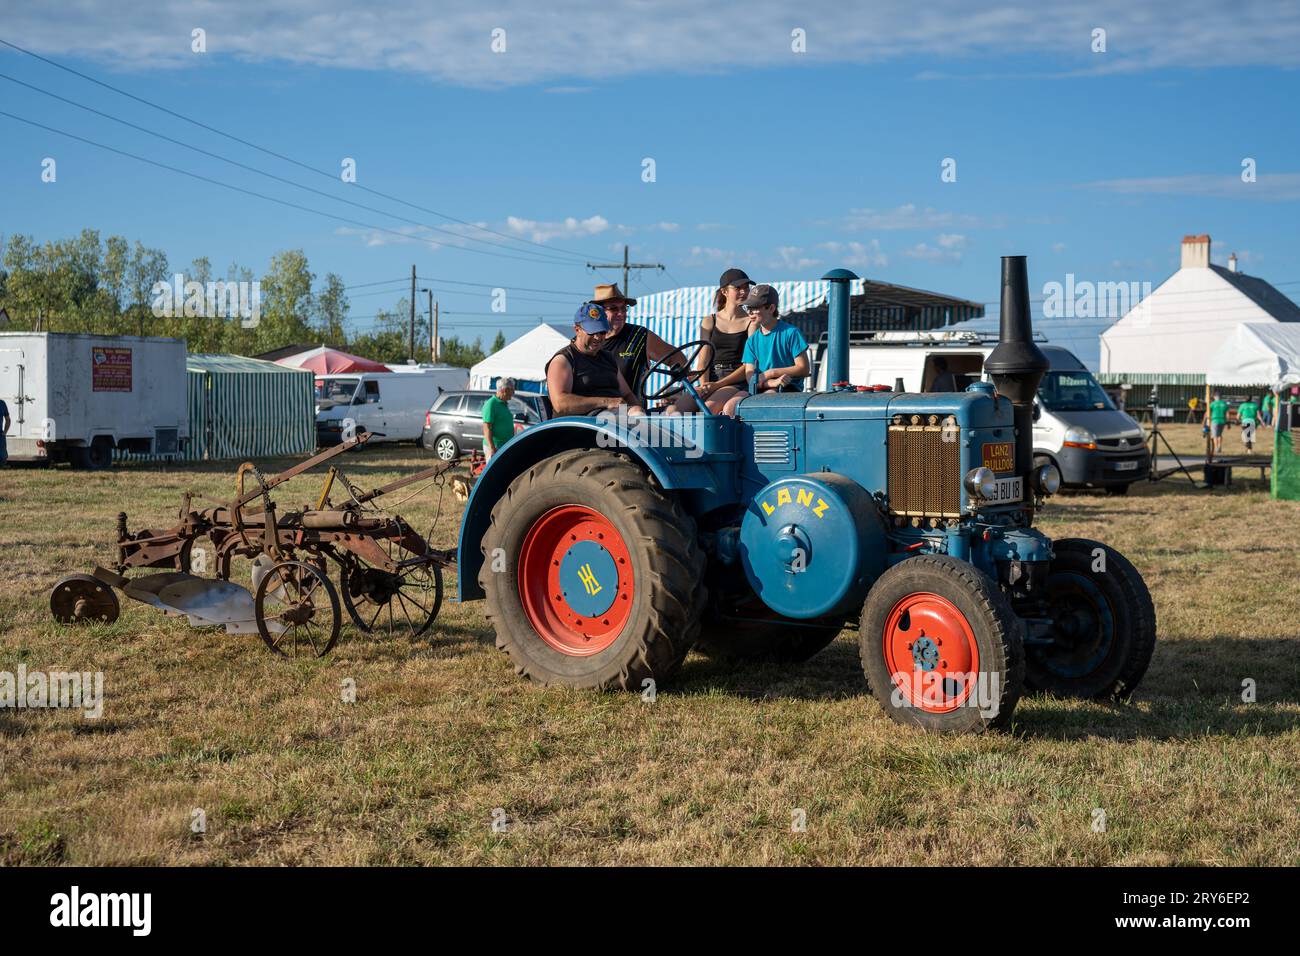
629	349
594	376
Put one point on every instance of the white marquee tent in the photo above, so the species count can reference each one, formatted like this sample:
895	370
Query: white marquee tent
1258	353
524	359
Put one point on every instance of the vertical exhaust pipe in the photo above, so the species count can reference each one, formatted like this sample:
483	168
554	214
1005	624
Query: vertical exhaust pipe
837	327
1017	365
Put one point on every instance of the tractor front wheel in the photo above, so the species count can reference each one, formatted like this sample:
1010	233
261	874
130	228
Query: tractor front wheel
1103	625
941	647
592	575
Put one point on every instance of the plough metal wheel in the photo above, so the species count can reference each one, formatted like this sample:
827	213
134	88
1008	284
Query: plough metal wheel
297	610
412	597
82	597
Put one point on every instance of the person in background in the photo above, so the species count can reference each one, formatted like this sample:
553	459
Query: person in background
1247	413
498	420
4	430
633	346
1266	408
944	380
727	329
1216	419
584	377
776	353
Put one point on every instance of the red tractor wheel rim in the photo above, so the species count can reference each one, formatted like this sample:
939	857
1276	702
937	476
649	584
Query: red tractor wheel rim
930	652
567	620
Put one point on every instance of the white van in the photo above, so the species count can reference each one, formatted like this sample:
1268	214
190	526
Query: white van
1076	425
390	404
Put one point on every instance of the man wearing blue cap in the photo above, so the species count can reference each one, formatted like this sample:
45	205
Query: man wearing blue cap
583	377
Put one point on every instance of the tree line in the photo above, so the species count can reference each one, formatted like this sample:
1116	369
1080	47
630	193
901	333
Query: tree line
107	287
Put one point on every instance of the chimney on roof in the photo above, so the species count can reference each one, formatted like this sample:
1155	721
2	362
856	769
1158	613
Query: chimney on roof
1232	262
1196	252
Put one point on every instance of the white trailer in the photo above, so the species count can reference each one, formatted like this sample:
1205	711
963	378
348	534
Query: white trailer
76	398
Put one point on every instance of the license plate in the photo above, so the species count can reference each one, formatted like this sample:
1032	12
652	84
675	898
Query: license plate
1007	489
1126	466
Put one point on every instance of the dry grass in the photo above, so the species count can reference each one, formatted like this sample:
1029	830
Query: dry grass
443	732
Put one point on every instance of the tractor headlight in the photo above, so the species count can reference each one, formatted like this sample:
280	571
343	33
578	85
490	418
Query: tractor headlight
1047	479
981	483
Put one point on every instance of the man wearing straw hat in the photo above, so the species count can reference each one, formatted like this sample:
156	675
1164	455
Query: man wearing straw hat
633	346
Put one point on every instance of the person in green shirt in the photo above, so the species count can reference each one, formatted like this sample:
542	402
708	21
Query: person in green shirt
1216	416
498	420
1247	415
1266	406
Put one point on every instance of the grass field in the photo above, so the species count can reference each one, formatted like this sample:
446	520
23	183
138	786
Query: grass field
712	772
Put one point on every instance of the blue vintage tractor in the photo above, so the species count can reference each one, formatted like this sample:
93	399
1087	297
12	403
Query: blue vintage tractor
606	548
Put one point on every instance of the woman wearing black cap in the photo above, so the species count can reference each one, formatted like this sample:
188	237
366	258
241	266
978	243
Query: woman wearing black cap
727	328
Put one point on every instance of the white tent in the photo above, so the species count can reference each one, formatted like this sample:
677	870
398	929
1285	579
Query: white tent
1176	328
1258	353
524	359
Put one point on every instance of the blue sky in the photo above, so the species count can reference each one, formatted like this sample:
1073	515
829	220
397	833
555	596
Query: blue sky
784	164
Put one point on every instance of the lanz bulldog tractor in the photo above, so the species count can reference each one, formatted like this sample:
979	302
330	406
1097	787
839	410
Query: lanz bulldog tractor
606	548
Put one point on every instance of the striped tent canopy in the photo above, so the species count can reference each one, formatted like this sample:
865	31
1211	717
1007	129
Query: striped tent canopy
675	315
246	408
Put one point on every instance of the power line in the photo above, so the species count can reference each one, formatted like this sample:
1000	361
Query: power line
282	179
280	156
498	285
250	192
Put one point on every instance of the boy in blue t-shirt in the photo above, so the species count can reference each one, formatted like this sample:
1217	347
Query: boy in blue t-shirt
775	352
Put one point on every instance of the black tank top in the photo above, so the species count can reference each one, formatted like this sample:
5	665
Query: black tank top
728	348
629	349
594	376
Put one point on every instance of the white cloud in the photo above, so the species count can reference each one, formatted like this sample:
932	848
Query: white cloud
452	234
1058	247
791	258
856	255
948	249
701	255
1271	187
567	42
566	228
907	216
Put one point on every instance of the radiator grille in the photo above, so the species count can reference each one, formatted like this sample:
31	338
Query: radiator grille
772	448
924	472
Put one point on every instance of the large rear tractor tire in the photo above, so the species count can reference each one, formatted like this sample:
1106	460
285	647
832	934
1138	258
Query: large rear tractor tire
941	647
593	576
1103	625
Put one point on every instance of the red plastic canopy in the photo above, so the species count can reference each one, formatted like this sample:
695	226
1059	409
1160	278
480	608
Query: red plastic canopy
327	361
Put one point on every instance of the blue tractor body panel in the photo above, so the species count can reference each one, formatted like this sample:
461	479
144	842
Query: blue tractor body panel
726	468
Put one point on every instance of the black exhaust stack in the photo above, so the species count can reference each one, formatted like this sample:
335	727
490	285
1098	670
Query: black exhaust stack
1017	365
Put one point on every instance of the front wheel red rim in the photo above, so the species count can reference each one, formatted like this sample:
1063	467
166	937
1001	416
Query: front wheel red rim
575	580
931	652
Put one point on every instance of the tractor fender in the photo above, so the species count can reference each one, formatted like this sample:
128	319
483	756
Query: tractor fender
526	449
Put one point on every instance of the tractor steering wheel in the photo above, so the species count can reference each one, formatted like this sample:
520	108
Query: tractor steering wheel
683	376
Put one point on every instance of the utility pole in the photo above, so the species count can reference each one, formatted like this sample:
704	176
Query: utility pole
433	328
626	267
411	348
436	341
